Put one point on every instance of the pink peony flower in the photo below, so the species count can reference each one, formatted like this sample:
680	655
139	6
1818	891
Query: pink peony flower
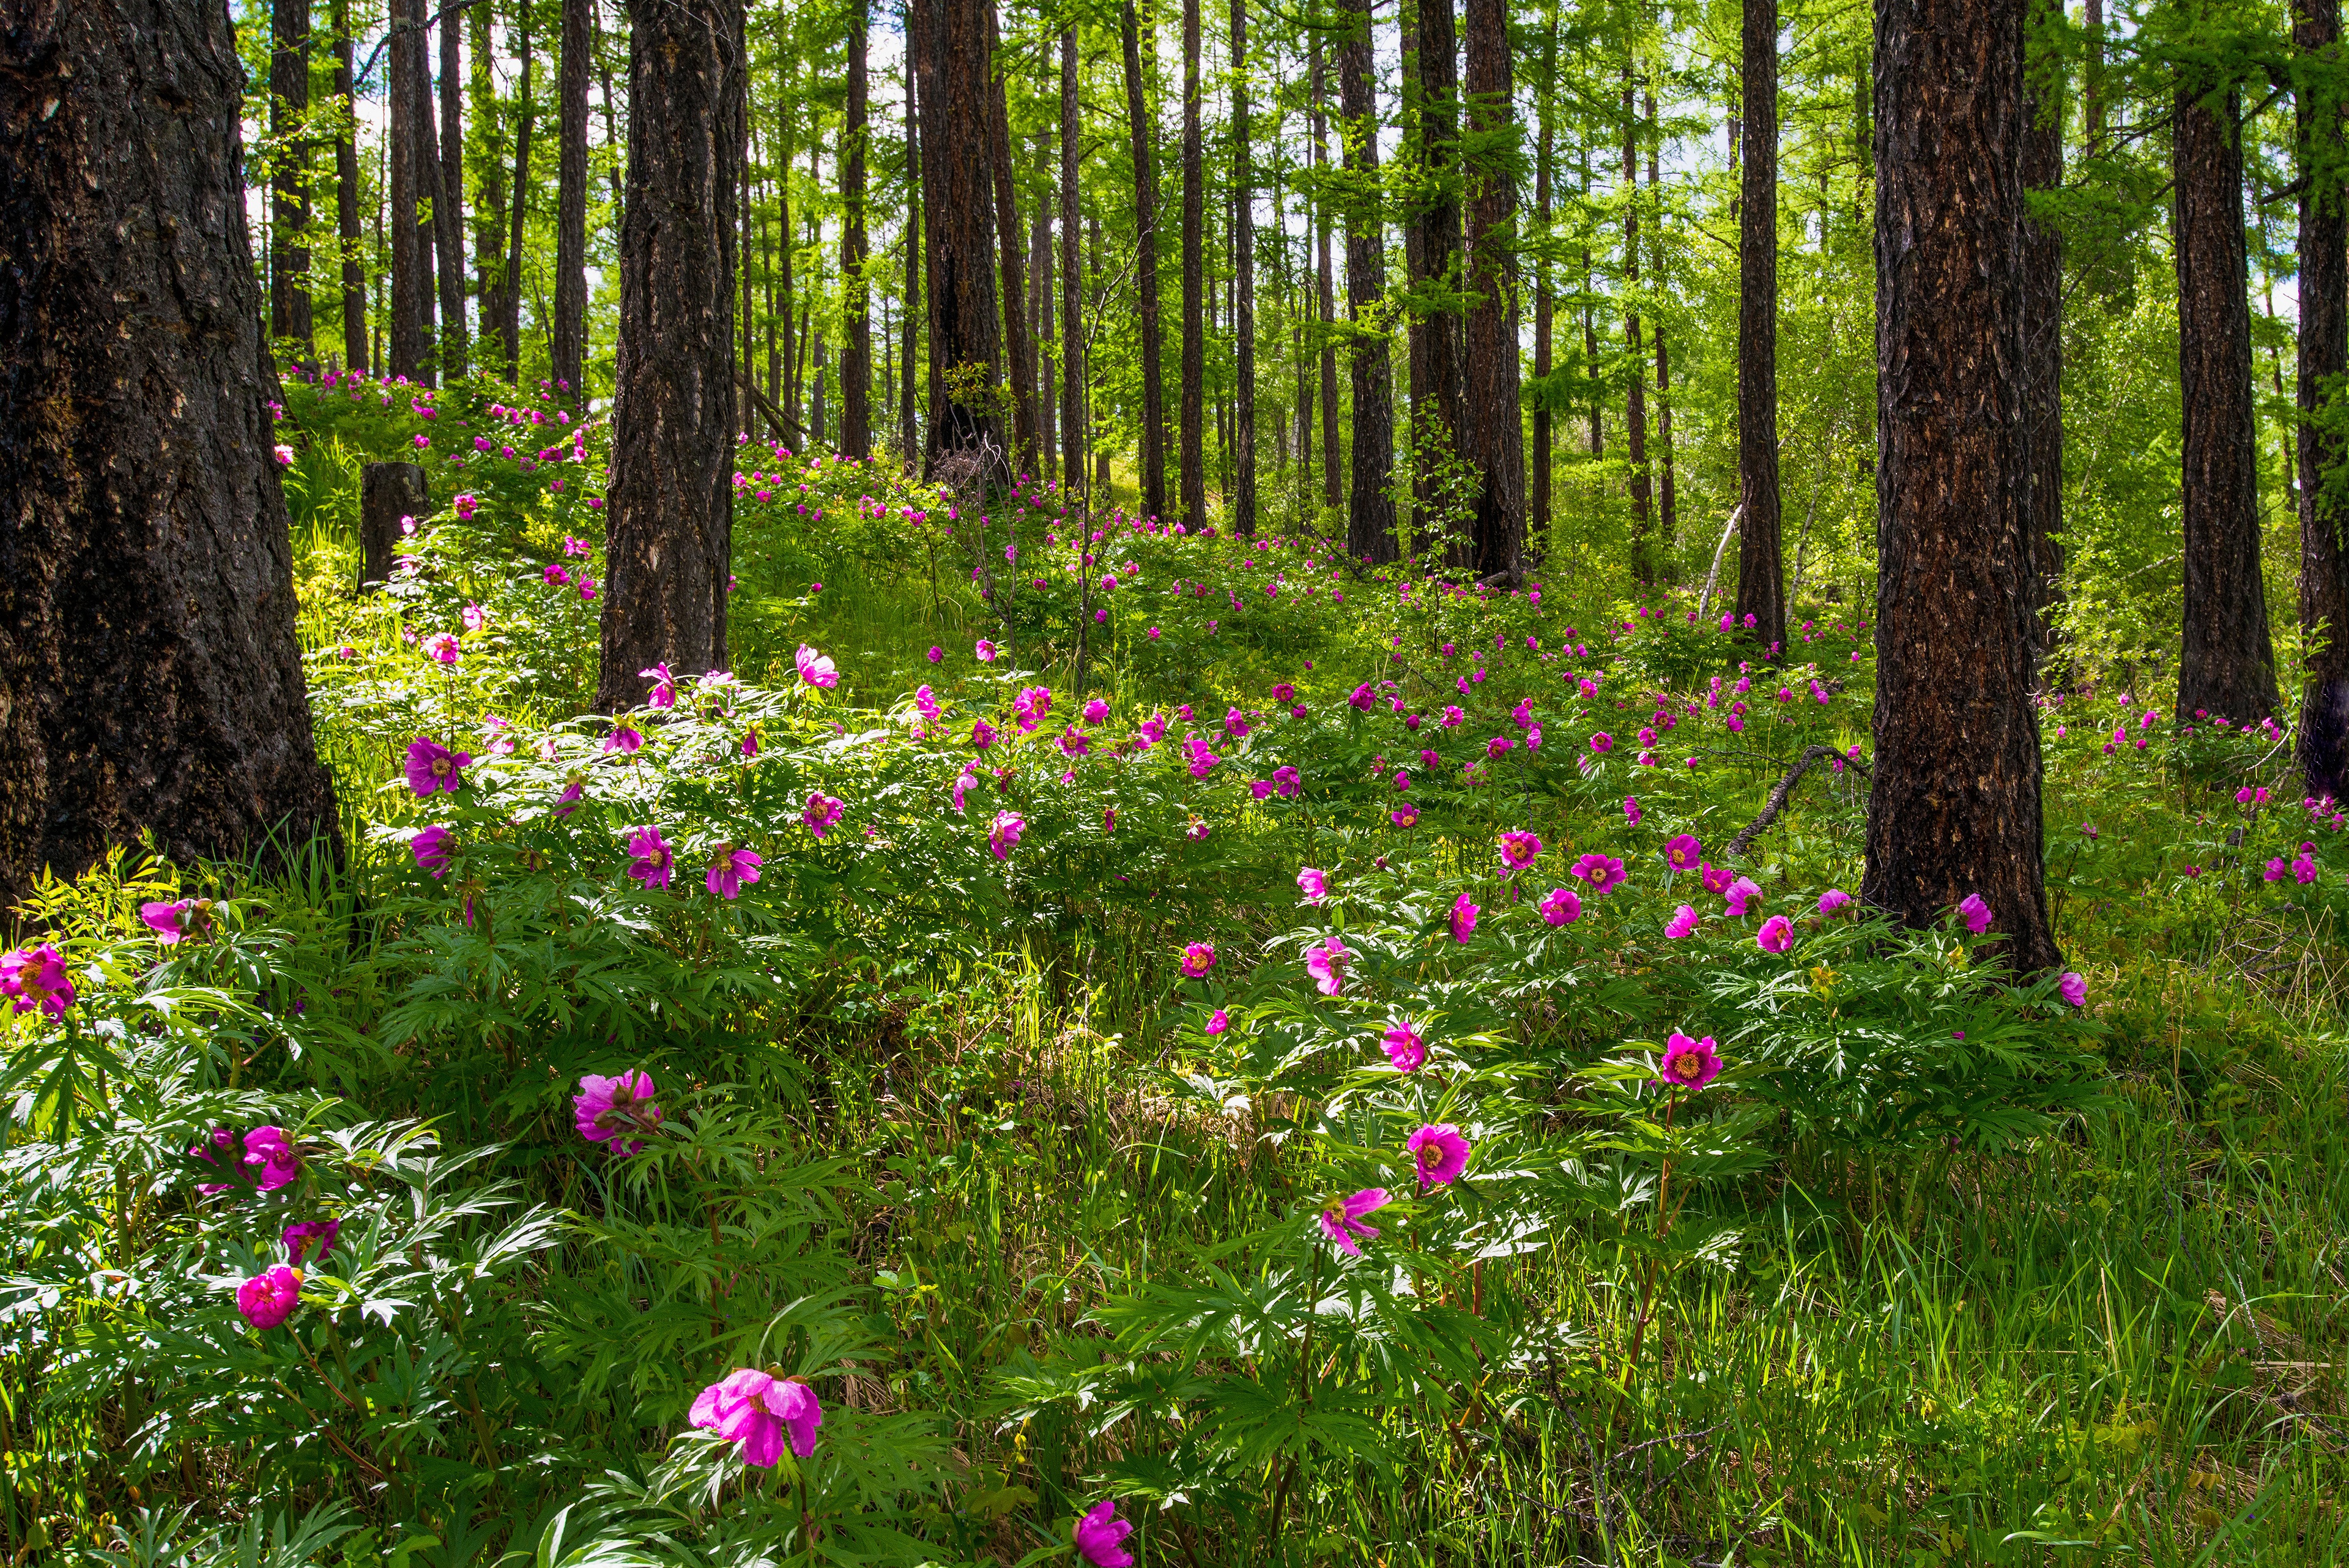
1682	852
269	1298
1313	883
441	647
1341	1221
761	1412
731	868
654	862
604	1109
1602	742
625	740
1404	1047
1977	913
432	766
1463	919
664	691
821	814
1777	935
300	1238
1683	921
1691	1064
1562	907
1098	1535
1327	964
1198	958
1741	894
1518	849
2073	988
1441	1153
269	1153
1003	835
815	669
1218	1021
432	846
171	922
1831	901
985	651
1632	812
1603	872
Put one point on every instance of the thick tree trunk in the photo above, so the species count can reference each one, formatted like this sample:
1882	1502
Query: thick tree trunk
412	264
857	350
149	674
510	297
966	348
567	346
908	430
448	200
2043	348
289	106
1761	571
388	492
1019	350
1333	484
489	221
1243	500
1153	456
1190	451
1371	509
669	542
1439	376
1537	523
2323	357
2227	666
1953	807
346	199
1072	339
1635	409
1496	442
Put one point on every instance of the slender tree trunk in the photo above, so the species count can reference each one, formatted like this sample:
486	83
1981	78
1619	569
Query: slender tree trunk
1072	339
2043	347
951	59
1018	348
1040	322
568	347
2323	357
916	212
411	284
1545	330
449	201
2091	81
747	316
1495	427
346	199
488	219
1242	498
289	107
1371	509
1761	571
1667	494
1333	484
2227	666
1635	411
151	673
857	350
786	393
1596	398
1191	462
1153	457
509	298
1953	805
611	115
670	539
1440	414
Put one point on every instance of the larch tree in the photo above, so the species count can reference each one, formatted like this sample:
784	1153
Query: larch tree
1496	441
449	197
1953	805
1370	508
1072	338
669	538
1635	402
347	196
949	41
1325	303
1143	130
1439	400
151	676
510	294
1018	351
1190	447
2043	327
1243	500
2324	740
567	343
856	346
411	255
1760	573
289	107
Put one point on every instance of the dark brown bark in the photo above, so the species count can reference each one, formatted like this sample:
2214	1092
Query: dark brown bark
1496	432
150	678
1190	452
388	493
449	199
1370	510
611	113
510	296
289	104
1635	410
1145	129
2091	79
1333	484
1439	385
856	351
1667	490
1761	570
567	345
1019	348
1040	319
908	433
1537	523
2043	350
346	199
2323	358
950	60
670	536
411	260
488	219
1243	500
1953	807
2227	668
1072	341
1597	396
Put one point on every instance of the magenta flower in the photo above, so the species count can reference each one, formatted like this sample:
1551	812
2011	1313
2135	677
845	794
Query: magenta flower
1518	849
1313	883
1198	958
815	669
1463	919
1327	964
1742	893
171	922
1691	1064
982	735
985	651
1831	901
1681	852
654	862
1341	1221
1003	835
271	1153
664	692
1404	1047
821	814
1977	913
1098	1535
1716	879
300	1238
1777	935
731	868
751	741
441	647
432	846
1287	781
1602	742
2073	988
432	766
269	1298
1631	812
1404	817
1603	872
1441	1153
2274	872
1218	1022
1562	907
762	1413
1096	712
1683	921
625	740
604	1109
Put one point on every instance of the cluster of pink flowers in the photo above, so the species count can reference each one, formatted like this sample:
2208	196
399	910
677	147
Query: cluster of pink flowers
268	1157
34	979
609	1109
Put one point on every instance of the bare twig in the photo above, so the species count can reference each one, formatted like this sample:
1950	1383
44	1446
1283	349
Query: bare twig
1779	793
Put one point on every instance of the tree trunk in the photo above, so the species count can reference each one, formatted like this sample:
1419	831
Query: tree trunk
346	199
1596	398
916	211
611	117
2324	355
1495	427
950	58
1072	341
1243	500
2227	666
1545	327
1953	807
1761	571
1191	462
1635	411
1440	414
388	492
151	674
1018	348
489	221
1039	321
449	201
568	345
2043	350
411	284
289	106
2091	81
1371	509
1668	519
856	349
1153	457
510	297
1333	490
671	534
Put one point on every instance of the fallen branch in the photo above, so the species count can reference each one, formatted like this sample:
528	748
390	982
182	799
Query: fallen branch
1779	793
